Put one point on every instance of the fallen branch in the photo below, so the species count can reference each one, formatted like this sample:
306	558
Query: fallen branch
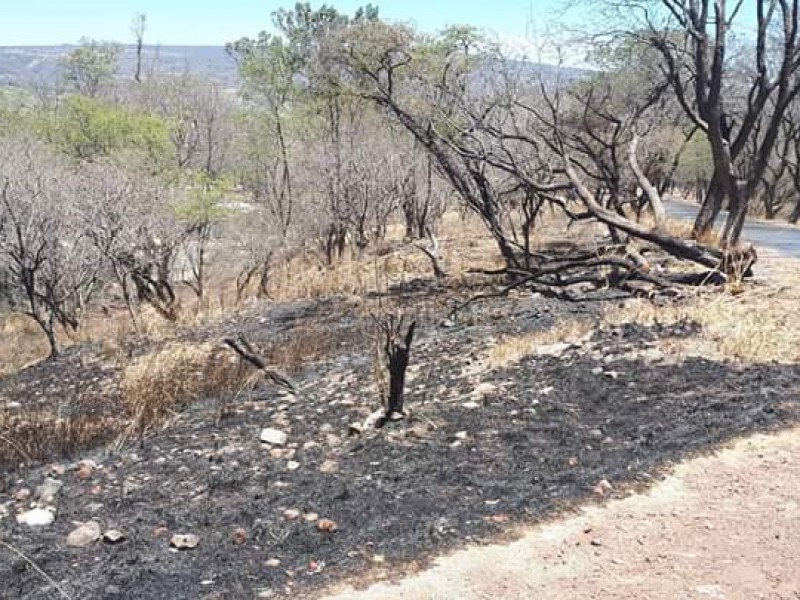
242	347
36	568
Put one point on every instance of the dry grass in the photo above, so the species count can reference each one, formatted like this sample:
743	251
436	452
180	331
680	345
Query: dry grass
22	343
761	324
509	349
160	384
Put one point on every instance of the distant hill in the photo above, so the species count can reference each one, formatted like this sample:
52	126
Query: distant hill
27	65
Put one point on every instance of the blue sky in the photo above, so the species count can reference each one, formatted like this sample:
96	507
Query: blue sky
210	22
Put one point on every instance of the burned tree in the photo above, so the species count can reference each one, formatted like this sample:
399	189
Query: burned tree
396	352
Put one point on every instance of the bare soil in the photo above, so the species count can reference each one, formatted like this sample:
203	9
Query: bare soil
485	453
722	526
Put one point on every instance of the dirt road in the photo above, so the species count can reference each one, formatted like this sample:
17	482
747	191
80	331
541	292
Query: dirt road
719	527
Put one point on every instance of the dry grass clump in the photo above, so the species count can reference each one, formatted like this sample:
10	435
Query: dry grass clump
761	324
511	348
28	437
160	384
21	343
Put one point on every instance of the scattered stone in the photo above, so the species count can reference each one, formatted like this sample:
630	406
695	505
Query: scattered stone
48	490
378	559
327	526
471	405
554	350
37	517
310	445
274	437
22	495
84	472
239	536
448	324
547	390
113	536
461	435
603	488
596	542
597	371
595	434
311	517
292	465
315	566
573	461
58	470
182	541
291	514
159	531
612	374
333	440
85	534
273	563
329	467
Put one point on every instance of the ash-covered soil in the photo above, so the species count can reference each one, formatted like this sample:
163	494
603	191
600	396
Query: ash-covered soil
483	450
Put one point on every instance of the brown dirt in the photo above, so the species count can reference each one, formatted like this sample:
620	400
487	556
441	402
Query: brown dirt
723	526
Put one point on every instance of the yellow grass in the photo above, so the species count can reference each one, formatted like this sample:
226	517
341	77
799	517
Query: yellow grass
509	349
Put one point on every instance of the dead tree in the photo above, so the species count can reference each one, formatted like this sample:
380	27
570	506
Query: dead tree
433	252
396	354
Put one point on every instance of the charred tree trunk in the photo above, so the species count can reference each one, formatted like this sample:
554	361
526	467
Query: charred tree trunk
396	355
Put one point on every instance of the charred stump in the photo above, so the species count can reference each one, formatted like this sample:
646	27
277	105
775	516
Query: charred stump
397	351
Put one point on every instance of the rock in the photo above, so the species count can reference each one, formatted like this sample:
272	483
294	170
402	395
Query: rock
329	467
471	405
554	350
333	440
603	488
597	371
547	390
37	517
21	495
274	437
326	428
612	374
273	563
239	536
310	445
461	435
378	559
58	470
292	465
186	541
327	526
448	324
47	492
596	542
595	434
85	534
84	472
291	514
113	536
311	517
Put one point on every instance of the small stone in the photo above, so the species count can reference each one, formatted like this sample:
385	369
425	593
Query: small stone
159	531
573	461
471	405
84	472
273	563
328	467
448	324
546	391
461	435
275	437
22	495
555	350
310	445
597	371
48	490
113	536
333	440
291	514
84	535
612	374
239	536
186	541
37	517
311	517
596	542
603	488
58	470
327	526
378	559
595	434
292	465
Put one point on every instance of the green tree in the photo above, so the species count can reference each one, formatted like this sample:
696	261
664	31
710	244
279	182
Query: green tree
91	65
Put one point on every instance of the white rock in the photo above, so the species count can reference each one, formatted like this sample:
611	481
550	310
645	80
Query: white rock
84	535
555	350
273	436
471	405
37	517
48	490
184	541
292	465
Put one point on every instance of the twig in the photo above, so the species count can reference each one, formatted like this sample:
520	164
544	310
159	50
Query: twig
242	347
36	568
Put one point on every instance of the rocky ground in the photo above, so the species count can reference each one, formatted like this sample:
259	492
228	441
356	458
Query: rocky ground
206	509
